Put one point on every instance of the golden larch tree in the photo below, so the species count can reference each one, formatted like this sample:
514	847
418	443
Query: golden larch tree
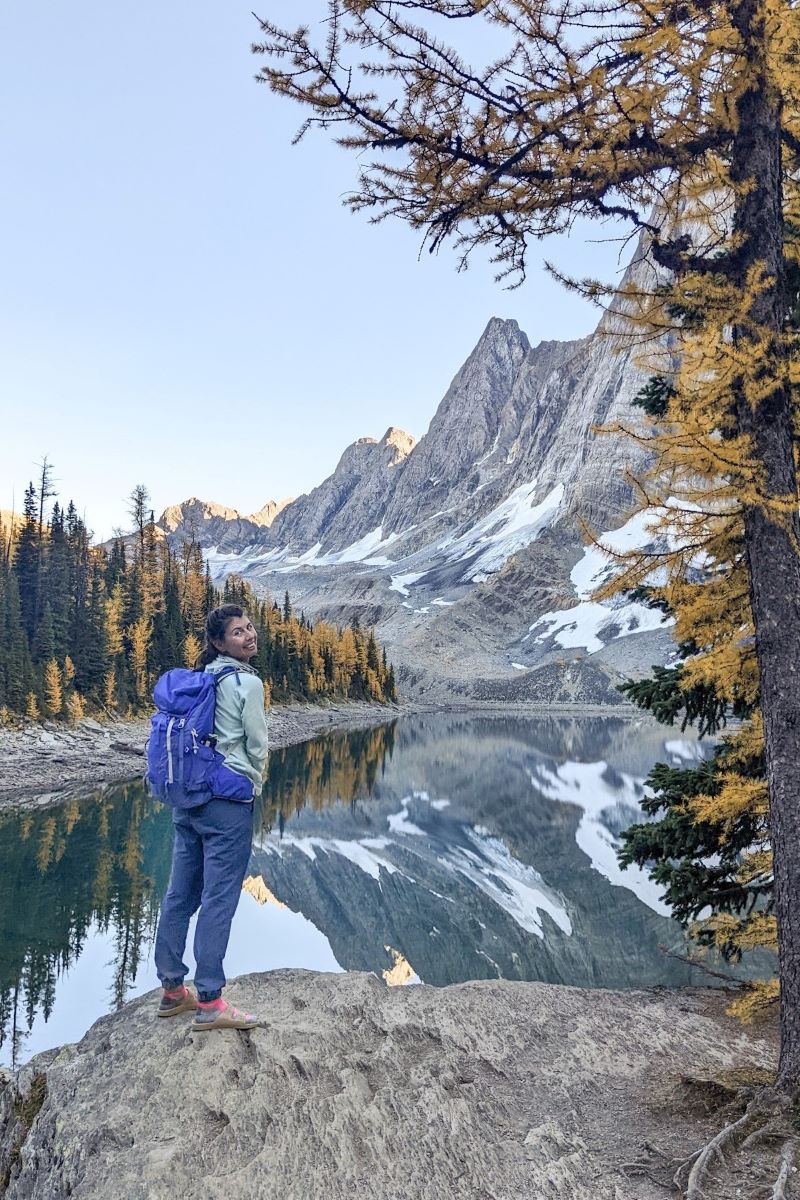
683	121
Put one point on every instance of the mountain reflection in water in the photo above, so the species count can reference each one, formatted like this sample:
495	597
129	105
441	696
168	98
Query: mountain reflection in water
437	848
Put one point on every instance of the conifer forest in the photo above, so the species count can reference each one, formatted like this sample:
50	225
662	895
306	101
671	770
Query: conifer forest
89	628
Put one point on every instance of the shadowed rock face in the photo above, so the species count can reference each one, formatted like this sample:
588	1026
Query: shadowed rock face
350	503
355	1089
512	415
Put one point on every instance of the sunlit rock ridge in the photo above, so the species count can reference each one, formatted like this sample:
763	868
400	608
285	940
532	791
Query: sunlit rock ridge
216	524
466	549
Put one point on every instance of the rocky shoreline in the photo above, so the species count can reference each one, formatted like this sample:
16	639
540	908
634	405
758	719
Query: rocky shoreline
352	1088
42	761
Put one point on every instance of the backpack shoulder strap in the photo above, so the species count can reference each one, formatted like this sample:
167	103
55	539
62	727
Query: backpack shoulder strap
224	673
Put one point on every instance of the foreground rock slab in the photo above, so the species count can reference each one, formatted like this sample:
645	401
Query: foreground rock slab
493	1090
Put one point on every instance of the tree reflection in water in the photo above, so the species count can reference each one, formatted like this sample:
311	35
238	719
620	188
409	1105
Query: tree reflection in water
337	767
100	864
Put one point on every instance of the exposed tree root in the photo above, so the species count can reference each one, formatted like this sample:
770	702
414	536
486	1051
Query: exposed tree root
787	1167
700	1163
643	1170
766	1133
764	1120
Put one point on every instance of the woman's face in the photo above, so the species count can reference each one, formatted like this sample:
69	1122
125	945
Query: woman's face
240	639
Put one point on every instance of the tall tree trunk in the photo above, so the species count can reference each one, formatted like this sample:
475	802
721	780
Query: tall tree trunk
772	543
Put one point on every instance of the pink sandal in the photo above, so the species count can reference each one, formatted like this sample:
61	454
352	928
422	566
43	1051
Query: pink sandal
218	1014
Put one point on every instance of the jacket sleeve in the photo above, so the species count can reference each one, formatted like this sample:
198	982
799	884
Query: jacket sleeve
254	721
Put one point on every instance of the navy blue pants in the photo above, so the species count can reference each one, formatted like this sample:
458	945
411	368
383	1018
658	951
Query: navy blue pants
209	863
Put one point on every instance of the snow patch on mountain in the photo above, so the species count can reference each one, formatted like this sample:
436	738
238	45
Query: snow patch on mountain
515	887
283	562
401	583
401	823
584	623
581	625
361	853
509	527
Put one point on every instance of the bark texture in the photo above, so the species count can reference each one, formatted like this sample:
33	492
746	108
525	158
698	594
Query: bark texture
773	545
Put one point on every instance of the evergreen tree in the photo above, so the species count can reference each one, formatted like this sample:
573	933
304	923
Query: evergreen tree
58	582
139	508
26	562
117	563
44	643
46	491
152	572
19	678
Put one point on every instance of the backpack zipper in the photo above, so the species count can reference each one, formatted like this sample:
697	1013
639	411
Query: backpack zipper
170	769
170	775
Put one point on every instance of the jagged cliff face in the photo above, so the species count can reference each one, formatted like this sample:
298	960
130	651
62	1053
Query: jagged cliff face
514	416
456	546
344	507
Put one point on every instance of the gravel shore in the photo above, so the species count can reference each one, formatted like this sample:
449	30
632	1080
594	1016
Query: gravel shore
42	760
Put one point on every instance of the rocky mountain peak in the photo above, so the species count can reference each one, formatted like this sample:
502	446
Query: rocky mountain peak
201	518
503	329
266	515
178	515
399	440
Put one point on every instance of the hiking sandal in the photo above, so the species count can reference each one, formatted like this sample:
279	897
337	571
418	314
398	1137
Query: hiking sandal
218	1014
175	1001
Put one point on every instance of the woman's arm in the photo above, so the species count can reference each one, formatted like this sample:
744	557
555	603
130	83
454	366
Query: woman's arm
254	722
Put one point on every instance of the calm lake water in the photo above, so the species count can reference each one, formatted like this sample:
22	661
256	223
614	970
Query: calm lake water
434	850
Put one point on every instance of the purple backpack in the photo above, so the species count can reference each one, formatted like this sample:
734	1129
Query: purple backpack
183	766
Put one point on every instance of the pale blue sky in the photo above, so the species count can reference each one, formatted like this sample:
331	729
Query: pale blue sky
184	301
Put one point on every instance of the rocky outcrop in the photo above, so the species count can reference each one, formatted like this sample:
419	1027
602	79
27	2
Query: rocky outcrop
213	524
267	514
357	1089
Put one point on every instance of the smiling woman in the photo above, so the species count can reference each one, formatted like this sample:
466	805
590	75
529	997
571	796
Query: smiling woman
213	839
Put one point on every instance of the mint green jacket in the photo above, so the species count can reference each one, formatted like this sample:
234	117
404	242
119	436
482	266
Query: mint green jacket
240	724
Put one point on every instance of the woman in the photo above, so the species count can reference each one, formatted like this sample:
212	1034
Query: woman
213	840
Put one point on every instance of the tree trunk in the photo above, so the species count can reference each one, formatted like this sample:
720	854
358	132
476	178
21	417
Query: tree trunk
773	545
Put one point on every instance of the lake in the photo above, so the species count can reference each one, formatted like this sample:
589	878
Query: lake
432	850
